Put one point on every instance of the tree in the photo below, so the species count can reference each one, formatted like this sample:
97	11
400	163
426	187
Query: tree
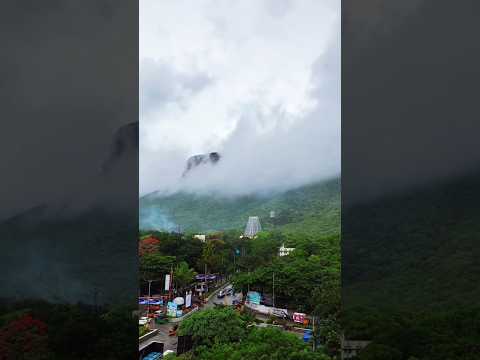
154	266
26	337
183	275
148	245
212	255
263	343
214	326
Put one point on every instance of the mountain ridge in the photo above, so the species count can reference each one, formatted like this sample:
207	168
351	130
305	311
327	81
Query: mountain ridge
309	208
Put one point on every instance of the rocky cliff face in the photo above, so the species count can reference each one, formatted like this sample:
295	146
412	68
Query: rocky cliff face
200	160
124	144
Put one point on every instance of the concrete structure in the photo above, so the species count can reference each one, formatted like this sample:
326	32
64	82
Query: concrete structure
284	251
351	348
253	227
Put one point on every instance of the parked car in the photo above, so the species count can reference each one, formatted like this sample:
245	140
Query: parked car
159	314
221	294
280	314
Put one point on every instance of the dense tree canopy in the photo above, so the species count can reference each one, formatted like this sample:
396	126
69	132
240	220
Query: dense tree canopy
223	334
214	326
41	330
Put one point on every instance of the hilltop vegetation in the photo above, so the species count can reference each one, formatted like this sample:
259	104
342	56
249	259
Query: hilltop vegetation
313	209
420	248
411	279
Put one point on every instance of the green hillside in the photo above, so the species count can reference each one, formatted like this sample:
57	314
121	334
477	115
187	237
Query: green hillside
410	272
313	208
415	250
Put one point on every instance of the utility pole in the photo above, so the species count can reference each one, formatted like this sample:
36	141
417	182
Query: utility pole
234	266
205	280
273	297
149	295
170	285
313	333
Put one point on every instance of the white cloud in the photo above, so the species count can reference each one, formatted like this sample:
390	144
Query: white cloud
246	78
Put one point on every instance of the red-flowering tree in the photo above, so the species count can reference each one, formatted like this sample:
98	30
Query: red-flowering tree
24	338
148	245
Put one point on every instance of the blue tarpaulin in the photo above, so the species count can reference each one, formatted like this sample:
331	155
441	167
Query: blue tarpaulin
307	335
254	297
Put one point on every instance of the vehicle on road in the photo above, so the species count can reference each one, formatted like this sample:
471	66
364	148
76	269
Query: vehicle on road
144	320
168	352
280	314
153	351
159	314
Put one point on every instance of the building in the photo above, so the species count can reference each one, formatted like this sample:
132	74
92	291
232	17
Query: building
351	348
284	251
253	227
200	237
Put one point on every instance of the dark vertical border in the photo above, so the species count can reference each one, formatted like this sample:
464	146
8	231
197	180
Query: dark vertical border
410	169
69	213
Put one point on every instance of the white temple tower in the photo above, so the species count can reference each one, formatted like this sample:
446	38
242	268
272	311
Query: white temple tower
253	227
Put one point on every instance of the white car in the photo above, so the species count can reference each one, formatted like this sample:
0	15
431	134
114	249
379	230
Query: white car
280	313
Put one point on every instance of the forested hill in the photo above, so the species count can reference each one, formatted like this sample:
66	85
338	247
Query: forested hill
415	250
313	208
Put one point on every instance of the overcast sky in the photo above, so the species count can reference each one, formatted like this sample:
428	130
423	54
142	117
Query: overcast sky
258	81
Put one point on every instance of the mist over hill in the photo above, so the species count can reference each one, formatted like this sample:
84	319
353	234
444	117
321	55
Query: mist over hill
308	208
70	249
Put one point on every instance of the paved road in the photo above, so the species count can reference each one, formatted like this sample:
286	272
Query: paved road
227	300
170	342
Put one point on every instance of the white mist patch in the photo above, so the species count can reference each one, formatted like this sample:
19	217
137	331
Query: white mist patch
256	81
153	218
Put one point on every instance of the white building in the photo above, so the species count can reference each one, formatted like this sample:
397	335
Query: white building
284	251
200	237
